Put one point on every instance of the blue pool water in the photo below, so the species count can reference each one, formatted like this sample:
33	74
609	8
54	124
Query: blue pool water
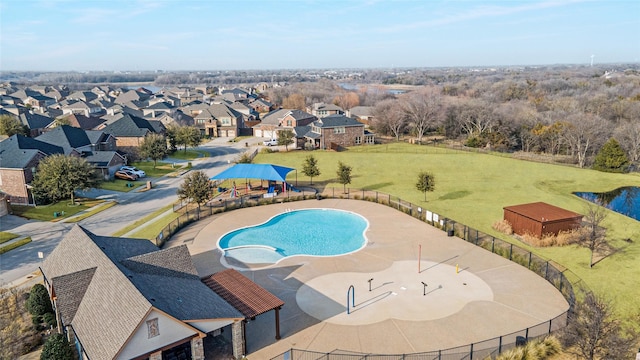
316	232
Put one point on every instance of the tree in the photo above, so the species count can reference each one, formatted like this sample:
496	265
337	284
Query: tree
59	176
426	182
310	167
593	333
389	118
344	175
195	187
583	133
611	158
285	137
294	101
154	146
347	100
172	136
595	239
57	348
423	111
188	136
38	302
628	134
10	126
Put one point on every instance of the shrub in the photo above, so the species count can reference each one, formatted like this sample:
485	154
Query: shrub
56	348
503	226
50	319
38	303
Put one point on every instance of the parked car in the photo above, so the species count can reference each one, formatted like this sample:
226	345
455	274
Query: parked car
126	175
134	170
272	142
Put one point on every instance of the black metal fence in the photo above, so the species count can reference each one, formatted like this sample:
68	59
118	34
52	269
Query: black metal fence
562	279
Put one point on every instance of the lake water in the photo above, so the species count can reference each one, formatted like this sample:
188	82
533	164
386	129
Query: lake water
624	200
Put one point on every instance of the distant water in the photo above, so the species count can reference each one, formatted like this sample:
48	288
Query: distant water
624	200
151	88
353	87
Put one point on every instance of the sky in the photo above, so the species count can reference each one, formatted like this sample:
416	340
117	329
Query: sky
137	35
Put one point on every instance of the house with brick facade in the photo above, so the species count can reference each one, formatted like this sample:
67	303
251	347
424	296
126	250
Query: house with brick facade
130	130
152	302
19	159
280	120
336	131
321	110
219	120
97	147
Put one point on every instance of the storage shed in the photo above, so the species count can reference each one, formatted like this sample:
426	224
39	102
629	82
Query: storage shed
540	219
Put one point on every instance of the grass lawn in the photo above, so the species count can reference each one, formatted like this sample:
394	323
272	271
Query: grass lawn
140	222
14	245
46	212
153	229
6	236
189	155
161	169
473	188
120	185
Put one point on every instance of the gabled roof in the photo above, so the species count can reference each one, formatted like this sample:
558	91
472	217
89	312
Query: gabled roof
68	137
162	105
274	117
328	107
361	110
35	120
130	126
83	122
101	159
332	121
130	278
17	150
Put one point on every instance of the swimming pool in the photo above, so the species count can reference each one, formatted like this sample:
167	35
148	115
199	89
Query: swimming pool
315	232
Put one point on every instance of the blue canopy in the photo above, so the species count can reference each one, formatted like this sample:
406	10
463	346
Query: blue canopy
254	171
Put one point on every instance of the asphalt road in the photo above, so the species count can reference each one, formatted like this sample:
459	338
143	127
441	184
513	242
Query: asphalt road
17	264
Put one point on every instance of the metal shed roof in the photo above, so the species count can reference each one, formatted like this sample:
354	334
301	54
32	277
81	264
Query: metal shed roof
542	212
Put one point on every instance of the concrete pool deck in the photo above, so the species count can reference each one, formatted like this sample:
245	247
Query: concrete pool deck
488	297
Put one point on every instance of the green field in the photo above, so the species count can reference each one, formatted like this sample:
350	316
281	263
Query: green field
473	188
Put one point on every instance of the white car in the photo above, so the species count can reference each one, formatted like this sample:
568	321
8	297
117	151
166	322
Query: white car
272	142
134	170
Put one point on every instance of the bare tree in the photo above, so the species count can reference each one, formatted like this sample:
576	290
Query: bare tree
628	134
583	134
423	110
595	239
389	118
347	100
476	118
594	333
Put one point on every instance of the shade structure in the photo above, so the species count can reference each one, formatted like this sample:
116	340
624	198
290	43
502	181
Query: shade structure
254	171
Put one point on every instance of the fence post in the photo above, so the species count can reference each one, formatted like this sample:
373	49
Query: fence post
493	243
362	194
546	271
477	236
500	345
529	266
333	192
550	325
510	251
526	334
471	352
377	198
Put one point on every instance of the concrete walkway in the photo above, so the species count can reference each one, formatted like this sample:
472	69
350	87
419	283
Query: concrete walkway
487	297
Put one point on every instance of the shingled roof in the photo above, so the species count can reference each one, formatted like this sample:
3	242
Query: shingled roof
68	137
101	280
248	297
18	150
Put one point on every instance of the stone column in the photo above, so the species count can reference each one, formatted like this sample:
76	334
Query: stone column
197	349
156	356
237	335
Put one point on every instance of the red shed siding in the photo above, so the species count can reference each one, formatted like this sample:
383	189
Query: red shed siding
540	218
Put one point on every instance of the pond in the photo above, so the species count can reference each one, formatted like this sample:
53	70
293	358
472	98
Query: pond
624	200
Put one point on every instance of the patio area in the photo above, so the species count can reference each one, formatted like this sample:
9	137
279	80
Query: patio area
455	295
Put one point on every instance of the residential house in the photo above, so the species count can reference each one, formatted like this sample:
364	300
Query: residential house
19	159
152	303
81	121
158	108
321	110
131	96
336	131
37	123
363	114
282	119
39	102
85	96
219	120
130	130
96	147
261	106
83	108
